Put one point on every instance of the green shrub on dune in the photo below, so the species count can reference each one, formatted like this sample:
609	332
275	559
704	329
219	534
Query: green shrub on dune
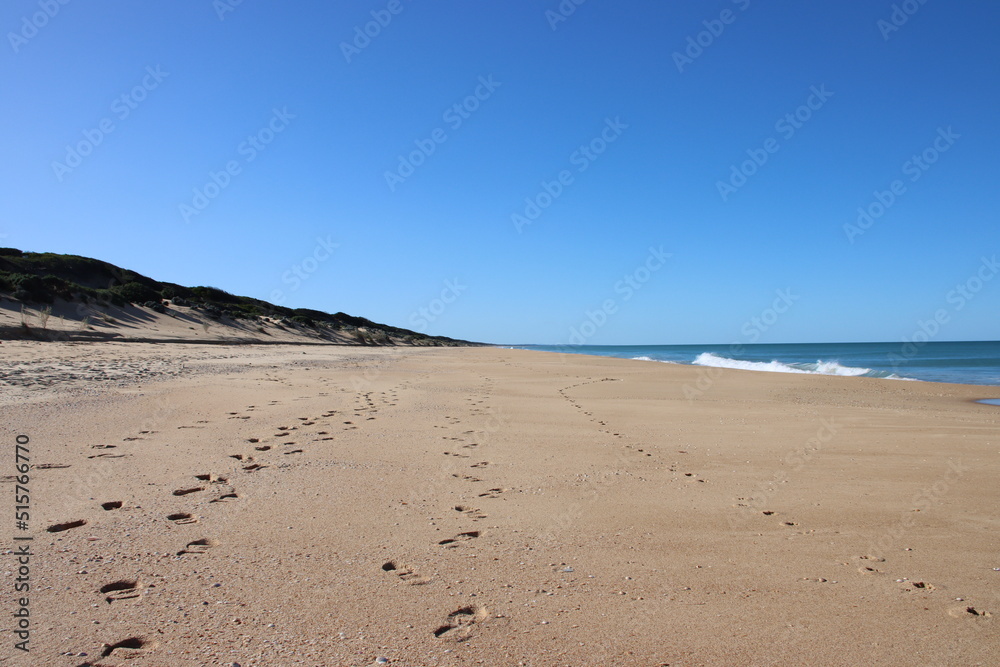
135	292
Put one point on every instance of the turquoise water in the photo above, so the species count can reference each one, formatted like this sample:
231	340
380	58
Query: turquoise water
961	363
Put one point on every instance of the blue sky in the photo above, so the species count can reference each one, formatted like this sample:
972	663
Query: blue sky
120	122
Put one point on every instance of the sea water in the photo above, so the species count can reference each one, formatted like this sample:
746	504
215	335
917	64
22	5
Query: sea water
956	362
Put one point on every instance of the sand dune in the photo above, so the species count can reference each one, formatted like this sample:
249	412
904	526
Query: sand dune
75	321
210	505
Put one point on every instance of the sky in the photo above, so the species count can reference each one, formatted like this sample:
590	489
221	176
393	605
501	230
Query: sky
525	171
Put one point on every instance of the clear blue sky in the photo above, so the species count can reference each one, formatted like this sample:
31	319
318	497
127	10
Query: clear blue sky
344	116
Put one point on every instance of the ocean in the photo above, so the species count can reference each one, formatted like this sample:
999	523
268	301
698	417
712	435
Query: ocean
956	362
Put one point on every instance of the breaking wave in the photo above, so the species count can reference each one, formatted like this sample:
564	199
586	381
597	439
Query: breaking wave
817	368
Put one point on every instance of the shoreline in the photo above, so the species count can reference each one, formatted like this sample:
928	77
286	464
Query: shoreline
774	364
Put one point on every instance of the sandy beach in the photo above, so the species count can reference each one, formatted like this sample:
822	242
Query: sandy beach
326	505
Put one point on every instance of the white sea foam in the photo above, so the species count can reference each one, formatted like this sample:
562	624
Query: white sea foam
662	361
817	368
834	368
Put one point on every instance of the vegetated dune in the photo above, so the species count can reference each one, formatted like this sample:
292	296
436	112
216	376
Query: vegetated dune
46	296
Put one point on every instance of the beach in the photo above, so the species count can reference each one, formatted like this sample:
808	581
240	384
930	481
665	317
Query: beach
332	505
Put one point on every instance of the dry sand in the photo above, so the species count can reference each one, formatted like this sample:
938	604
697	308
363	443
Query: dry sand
331	506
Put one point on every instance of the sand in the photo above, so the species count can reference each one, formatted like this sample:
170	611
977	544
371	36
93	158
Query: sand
286	505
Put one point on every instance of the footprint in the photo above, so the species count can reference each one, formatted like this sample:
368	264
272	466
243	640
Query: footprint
493	493
225	497
255	466
107	455
969	612
111	505
184	492
460	623
263	448
104	446
131	644
196	547
211	477
453	542
481	464
123	589
60	527
405	573
182	518
471	512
